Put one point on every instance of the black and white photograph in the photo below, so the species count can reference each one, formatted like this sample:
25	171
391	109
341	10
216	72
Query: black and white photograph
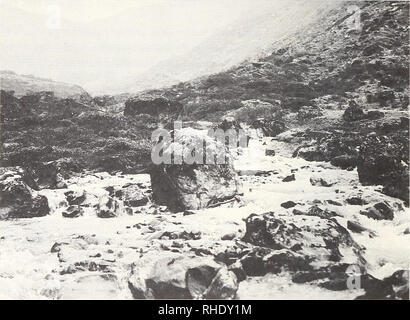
229	150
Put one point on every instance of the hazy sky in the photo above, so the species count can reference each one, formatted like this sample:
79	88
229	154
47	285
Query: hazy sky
83	41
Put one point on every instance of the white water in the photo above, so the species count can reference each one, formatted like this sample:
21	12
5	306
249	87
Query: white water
28	270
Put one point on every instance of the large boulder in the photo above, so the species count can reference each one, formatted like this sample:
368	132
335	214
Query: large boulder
51	175
17	199
177	276
194	186
384	161
302	241
353	113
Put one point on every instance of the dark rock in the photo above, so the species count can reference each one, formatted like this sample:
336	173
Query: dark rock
107	207
75	197
335	203
297	233
73	211
288	204
289	178
380	211
353	113
228	236
151	105
355	227
374	115
399	280
270	127
269	153
344	162
51	175
305	113
320	181
17	199
356	201
384	161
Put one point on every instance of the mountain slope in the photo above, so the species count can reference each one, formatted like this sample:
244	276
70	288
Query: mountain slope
25	84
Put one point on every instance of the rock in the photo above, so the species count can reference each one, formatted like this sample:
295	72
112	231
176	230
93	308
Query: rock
253	109
269	153
384	161
92	286
288	204
355	226
380	211
138	288
223	286
334	203
228	236
344	161
107	207
152	105
237	269
308	238
75	197
356	201
307	112
353	113
177	276
399	280
375	288
289	178
318	180
17	199
194	186
270	127
133	196
318	212
73	211
374	115
51	175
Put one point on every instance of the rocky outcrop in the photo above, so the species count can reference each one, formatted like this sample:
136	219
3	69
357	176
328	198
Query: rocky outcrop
17	199
384	161
152	105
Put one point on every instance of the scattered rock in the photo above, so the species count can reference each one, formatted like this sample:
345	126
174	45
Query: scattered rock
269	153
288	204
75	197
289	178
17	199
323	182
356	201
73	211
107	207
353	113
380	211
